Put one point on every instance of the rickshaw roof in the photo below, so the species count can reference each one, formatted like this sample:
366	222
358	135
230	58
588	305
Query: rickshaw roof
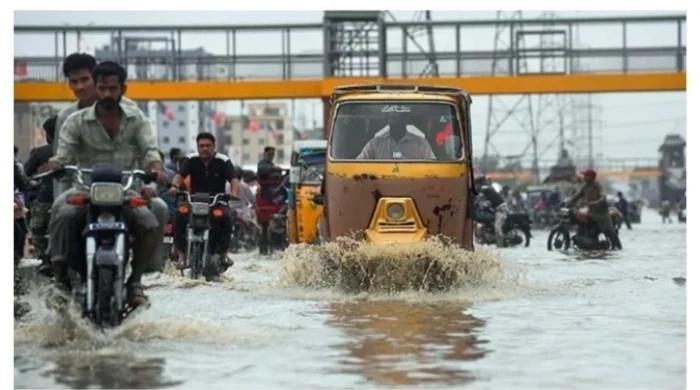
396	91
313	144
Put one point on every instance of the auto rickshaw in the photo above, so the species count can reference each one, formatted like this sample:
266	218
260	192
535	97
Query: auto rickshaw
388	191
306	174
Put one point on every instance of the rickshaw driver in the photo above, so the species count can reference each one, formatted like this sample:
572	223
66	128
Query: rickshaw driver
397	144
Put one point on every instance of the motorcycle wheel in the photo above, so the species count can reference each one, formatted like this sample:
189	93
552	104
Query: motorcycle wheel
195	258
211	268
105	312
524	238
558	239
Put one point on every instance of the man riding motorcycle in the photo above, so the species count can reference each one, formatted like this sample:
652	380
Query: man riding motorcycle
116	133
208	172
271	197
39	224
594	197
497	202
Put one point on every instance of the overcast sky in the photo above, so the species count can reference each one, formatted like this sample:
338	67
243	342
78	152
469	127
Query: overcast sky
628	125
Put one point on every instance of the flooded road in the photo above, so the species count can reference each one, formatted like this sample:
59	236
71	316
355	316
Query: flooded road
522	318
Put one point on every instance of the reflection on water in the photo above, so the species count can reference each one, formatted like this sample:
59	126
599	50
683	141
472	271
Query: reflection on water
404	343
109	370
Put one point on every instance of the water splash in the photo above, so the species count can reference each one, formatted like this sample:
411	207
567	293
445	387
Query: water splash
355	266
55	321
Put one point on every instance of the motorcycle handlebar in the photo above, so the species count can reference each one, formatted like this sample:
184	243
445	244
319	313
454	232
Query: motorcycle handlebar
215	199
136	173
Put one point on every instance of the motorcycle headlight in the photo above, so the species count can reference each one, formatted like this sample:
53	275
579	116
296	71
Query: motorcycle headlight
106	194
395	211
199	208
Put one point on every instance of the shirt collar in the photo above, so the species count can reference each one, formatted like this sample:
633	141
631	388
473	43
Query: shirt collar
91	114
405	137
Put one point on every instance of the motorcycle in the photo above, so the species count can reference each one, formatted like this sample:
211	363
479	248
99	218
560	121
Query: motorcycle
200	208
102	289
245	228
272	214
278	230
516	229
587	234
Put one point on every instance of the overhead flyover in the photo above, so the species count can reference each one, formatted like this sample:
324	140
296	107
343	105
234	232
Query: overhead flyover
307	60
301	89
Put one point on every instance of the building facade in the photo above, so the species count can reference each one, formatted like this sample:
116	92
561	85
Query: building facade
263	124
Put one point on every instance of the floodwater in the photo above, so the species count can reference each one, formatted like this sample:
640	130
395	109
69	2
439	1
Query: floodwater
515	318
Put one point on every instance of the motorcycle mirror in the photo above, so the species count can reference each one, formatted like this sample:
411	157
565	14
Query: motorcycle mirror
318	199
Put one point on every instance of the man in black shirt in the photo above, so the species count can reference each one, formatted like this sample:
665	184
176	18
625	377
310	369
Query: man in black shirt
208	172
42	198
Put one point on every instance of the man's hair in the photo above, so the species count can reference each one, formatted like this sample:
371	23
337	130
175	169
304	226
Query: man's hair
208	136
50	126
174	152
109	68
269	149
77	61
248	175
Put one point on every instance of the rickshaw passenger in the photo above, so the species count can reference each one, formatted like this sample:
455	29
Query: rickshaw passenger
397	144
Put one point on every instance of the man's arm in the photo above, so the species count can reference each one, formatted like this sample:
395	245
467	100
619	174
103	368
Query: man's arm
367	152
230	174
600	201
32	163
184	171
68	141
146	143
427	151
578	195
60	121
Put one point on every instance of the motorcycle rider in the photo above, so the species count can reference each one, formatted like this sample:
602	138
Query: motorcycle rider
109	131
39	223
271	185
209	172
20	229
176	158
594	197
497	203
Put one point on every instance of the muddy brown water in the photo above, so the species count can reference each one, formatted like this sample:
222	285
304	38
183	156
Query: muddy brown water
514	318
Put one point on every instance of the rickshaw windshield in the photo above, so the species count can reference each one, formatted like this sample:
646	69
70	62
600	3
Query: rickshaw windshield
312	165
400	130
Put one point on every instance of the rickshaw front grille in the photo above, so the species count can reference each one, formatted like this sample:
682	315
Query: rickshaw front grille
398	226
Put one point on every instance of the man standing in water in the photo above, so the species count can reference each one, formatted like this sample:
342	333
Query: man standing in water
623	206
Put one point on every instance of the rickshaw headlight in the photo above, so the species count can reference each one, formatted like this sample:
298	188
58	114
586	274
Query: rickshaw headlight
395	211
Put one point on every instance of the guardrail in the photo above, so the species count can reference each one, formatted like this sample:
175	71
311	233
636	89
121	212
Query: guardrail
297	51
